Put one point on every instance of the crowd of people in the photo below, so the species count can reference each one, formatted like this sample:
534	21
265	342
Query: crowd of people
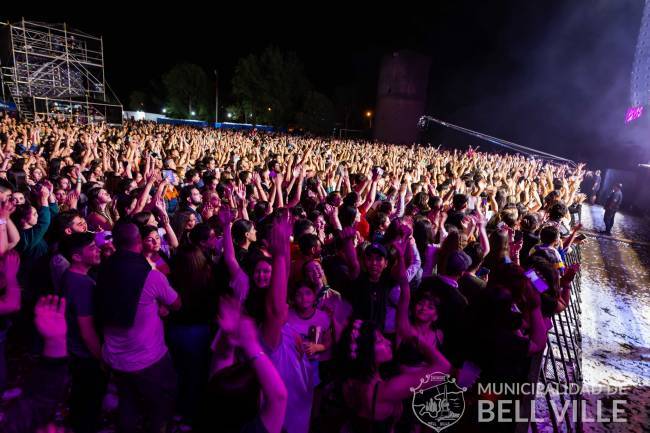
262	282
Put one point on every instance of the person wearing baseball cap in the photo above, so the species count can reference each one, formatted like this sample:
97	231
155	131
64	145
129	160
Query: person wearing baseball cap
368	291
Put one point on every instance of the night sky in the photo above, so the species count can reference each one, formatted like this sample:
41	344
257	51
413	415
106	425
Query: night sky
548	74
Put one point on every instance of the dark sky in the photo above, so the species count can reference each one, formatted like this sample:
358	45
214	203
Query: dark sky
543	73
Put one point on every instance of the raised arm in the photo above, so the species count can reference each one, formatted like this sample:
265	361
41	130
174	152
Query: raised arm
372	193
274	392
238	330
298	189
226	219
276	301
166	224
36	233
348	235
279	197
404	328
142	198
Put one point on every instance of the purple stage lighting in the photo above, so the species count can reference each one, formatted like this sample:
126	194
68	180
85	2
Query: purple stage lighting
633	113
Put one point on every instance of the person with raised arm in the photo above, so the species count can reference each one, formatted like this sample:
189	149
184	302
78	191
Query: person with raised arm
280	336
47	384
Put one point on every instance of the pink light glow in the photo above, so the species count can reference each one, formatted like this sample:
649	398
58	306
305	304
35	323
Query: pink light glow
633	113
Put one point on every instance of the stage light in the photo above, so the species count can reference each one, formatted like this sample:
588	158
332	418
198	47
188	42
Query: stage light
368	113
193	113
229	115
164	110
633	113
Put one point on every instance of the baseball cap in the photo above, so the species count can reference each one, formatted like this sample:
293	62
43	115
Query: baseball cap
376	249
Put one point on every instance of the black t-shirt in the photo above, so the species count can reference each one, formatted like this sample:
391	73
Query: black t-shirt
614	201
492	341
337	271
529	241
369	299
241	255
78	291
199	300
455	218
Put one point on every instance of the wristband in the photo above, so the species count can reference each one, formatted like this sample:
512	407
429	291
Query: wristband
3	221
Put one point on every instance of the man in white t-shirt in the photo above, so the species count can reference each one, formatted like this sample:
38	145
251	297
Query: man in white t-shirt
130	296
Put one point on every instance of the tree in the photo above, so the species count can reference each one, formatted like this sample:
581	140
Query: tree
271	86
347	103
138	100
317	114
187	88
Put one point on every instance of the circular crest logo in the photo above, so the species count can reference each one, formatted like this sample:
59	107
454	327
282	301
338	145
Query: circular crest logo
438	401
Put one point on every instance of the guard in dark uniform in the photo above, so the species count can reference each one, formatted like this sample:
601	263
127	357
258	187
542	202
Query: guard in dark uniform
612	205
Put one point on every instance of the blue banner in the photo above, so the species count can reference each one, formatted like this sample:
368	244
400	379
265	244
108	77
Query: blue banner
7	105
168	121
243	126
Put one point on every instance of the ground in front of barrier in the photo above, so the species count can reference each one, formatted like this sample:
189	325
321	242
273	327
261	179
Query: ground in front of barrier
616	318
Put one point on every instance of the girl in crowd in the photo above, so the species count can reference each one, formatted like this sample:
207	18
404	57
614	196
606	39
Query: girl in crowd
101	216
182	223
189	329
151	248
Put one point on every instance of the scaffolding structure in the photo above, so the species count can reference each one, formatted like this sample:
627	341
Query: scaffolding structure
51	71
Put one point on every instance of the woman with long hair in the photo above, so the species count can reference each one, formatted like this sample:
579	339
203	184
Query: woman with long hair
189	329
375	404
452	243
424	233
499	250
243	235
419	317
182	223
101	216
151	249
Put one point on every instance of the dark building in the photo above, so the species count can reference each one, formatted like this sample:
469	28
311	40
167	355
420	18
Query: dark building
401	96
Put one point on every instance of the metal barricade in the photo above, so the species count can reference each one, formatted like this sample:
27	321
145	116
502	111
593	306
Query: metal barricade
561	365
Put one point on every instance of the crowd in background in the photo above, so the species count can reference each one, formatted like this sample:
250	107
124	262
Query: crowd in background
263	282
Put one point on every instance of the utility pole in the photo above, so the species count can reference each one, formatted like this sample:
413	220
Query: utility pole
216	97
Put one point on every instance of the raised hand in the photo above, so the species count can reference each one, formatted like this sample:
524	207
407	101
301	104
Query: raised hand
240	192
208	211
50	317
229	316
7	207
330	210
225	216
256	178
280	234
72	198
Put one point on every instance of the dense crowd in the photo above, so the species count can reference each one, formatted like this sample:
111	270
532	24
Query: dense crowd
263	282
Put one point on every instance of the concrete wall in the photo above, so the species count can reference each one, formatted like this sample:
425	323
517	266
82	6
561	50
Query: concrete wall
401	96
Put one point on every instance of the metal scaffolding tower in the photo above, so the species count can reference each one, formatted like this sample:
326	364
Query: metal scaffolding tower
51	71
